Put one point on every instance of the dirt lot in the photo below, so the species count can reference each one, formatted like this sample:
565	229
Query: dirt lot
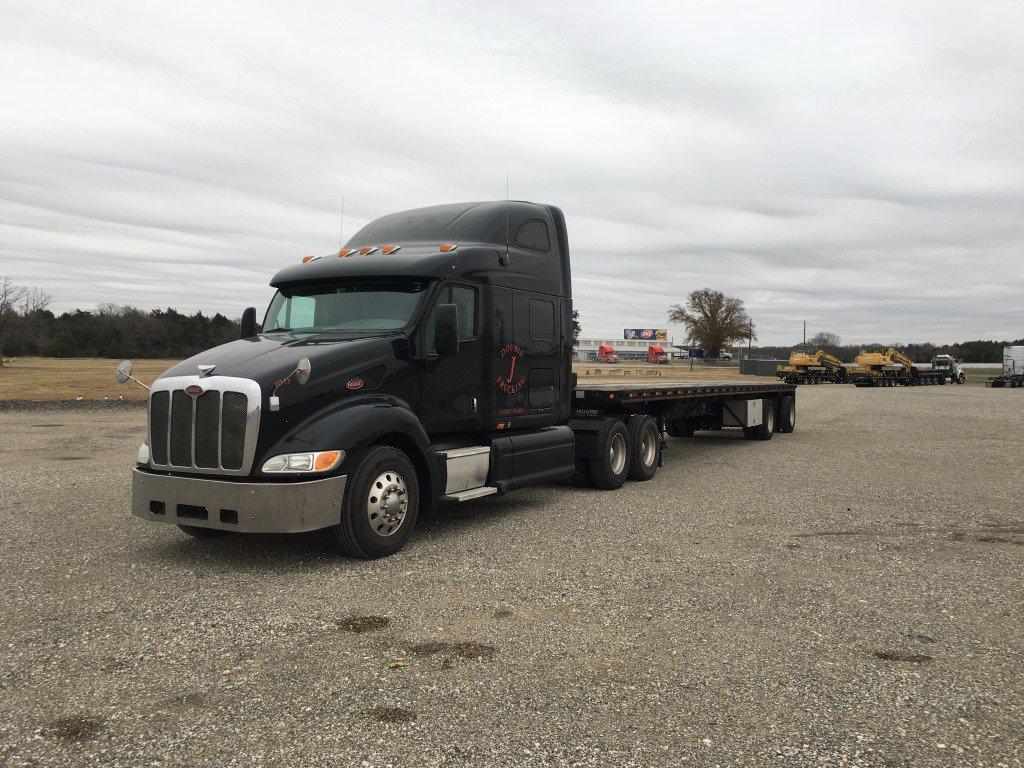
850	594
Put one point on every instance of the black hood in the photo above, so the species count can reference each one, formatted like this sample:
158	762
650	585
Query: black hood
267	358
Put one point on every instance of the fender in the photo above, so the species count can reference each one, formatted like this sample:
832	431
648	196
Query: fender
354	424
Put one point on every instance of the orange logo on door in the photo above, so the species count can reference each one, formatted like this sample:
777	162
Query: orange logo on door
513	381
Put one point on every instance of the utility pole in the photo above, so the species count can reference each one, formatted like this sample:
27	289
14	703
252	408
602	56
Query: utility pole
805	333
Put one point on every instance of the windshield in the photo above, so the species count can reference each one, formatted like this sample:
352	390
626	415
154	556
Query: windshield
352	306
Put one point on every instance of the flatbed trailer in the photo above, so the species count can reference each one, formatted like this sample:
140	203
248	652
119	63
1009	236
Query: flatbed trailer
681	409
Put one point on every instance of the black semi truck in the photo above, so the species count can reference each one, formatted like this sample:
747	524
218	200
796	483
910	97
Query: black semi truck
427	362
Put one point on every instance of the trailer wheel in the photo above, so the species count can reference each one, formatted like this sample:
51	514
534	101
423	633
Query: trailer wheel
787	414
645	444
612	468
382	499
203	533
767	426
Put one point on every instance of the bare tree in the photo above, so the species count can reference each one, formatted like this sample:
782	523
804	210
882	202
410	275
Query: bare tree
825	340
11	296
713	320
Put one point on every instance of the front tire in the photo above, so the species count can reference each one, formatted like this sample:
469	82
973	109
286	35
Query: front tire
380	507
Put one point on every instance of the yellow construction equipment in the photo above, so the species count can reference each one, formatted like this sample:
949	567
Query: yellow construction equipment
889	369
812	369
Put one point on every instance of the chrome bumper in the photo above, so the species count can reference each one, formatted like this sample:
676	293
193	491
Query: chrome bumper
244	507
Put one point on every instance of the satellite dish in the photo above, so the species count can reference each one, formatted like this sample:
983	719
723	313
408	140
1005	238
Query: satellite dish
302	370
124	371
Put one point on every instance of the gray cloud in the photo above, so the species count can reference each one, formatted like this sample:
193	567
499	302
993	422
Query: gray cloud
858	167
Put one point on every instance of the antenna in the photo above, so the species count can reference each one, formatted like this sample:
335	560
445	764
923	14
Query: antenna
341	233
507	215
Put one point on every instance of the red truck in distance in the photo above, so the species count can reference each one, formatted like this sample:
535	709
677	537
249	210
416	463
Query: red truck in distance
606	354
656	354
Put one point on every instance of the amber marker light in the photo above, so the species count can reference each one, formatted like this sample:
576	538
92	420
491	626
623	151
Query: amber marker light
367	249
390	248
346	252
448	247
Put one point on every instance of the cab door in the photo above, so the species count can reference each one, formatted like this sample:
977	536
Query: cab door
451	386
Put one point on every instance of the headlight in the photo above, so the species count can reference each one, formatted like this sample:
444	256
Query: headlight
143	457
292	463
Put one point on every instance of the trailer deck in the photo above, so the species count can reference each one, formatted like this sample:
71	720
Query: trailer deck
600	393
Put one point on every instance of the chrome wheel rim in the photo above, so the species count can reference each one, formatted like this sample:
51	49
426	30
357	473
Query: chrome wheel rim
770	421
649	448
386	503
617	454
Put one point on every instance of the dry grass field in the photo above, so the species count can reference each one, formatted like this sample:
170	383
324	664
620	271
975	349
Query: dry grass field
47	378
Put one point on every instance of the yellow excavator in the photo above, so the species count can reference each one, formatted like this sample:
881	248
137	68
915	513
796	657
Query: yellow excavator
812	369
890	369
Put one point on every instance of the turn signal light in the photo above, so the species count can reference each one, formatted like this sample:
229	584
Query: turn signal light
390	248
367	249
446	247
325	460
346	252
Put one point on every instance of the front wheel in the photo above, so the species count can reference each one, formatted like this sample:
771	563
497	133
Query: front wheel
380	506
961	378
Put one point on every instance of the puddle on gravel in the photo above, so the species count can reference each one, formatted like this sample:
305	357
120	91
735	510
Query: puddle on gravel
467	649
908	658
47	425
926	639
73	729
503	613
392	715
72	458
359	624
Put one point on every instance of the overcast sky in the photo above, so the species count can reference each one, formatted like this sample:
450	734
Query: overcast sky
861	168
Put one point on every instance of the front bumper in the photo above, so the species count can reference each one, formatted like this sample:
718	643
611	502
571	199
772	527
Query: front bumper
244	507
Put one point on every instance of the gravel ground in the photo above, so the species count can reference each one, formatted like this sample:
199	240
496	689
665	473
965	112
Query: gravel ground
846	595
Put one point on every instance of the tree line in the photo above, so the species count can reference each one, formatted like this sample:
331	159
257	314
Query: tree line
28	327
713	320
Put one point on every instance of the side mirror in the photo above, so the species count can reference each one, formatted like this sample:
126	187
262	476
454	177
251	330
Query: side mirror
248	323
124	371
446	329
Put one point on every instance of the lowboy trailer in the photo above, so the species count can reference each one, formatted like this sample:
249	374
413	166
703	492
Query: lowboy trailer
427	362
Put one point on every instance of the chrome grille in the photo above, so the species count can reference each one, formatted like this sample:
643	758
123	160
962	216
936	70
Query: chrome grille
233	430
211	432
159	411
207	430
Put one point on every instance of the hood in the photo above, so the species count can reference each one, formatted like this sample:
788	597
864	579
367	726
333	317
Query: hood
266	358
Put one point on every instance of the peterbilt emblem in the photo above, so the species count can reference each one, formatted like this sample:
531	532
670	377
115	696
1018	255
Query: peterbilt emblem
193	389
355	383
205	370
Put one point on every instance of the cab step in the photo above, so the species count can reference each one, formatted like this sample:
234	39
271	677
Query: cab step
472	493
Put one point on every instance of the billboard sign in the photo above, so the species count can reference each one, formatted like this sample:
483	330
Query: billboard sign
645	334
